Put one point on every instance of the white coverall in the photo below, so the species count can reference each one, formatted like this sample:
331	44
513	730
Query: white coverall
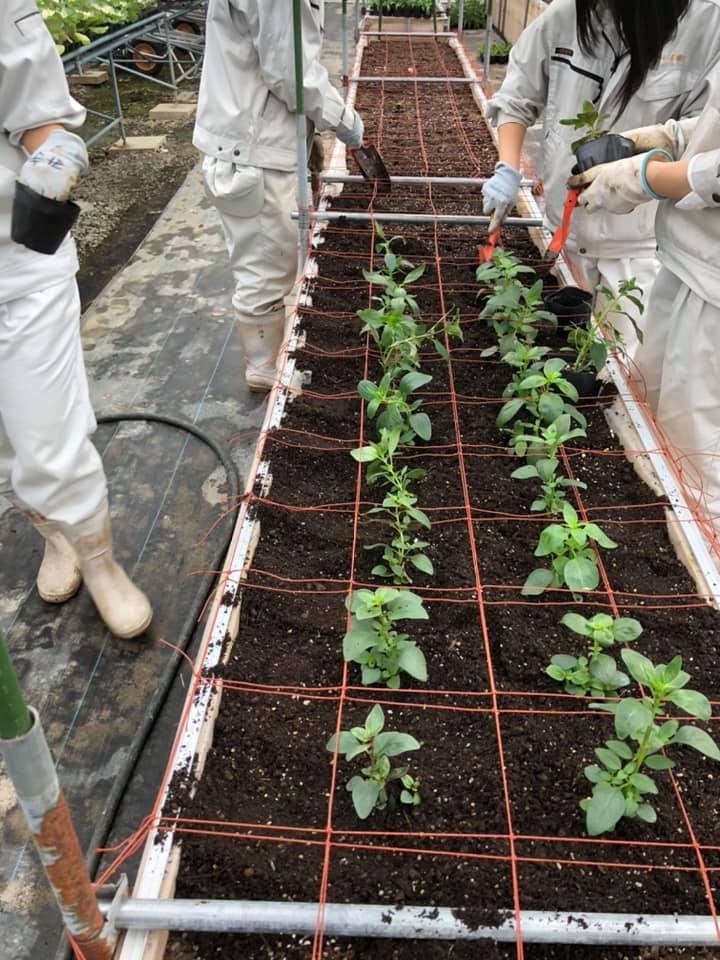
680	359
46	419
550	74
246	127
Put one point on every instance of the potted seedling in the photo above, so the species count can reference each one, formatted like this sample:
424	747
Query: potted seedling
499	52
595	145
592	342
571	305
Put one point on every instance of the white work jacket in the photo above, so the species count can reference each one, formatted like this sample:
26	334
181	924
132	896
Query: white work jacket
246	105
549	73
689	240
33	92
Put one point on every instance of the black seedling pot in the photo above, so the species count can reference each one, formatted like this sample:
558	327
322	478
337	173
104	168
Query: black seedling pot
571	306
606	149
586	383
39	223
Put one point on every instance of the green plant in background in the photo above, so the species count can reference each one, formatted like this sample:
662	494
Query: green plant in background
77	21
499	52
474	14
573	564
393	407
401	8
621	788
590	120
597	672
373	641
369	790
592	342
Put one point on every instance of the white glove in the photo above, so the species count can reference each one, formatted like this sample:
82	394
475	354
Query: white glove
672	136
500	193
613	187
352	136
54	168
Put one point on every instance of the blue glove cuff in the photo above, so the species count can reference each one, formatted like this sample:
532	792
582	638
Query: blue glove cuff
647	189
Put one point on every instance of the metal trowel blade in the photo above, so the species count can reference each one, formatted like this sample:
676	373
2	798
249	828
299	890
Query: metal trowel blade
373	167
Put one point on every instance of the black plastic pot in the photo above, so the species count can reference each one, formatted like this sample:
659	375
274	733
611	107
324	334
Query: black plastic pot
571	306
603	150
586	382
39	223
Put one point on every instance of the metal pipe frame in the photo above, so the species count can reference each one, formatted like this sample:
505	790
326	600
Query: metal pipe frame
300	138
418	218
417	923
419	181
488	42
411	79
420	35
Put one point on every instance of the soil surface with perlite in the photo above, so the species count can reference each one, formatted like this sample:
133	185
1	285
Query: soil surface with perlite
501	766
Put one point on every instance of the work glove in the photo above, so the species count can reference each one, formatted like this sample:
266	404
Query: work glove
351	135
54	168
611	187
500	193
672	136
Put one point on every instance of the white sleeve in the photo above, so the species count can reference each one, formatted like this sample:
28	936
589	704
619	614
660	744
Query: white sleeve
33	88
272	36
523	94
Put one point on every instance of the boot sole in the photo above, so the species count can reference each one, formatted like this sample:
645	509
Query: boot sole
56	598
136	631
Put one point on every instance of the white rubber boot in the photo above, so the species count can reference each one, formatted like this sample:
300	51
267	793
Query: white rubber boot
59	576
124	608
261	343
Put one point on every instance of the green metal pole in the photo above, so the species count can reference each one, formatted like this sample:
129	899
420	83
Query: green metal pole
380	13
15	718
299	73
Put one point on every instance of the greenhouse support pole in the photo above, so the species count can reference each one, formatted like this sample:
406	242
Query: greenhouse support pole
344	45
30	767
461	17
488	42
301	137
356	32
116	96
380	15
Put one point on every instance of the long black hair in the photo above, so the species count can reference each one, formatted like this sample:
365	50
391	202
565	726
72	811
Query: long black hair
644	29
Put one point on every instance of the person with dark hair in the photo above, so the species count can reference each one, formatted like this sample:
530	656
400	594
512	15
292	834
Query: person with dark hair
640	64
679	358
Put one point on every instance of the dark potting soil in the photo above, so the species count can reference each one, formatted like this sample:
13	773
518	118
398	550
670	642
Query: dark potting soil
268	774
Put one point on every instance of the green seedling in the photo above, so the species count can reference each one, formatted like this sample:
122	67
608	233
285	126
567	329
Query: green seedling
501	270
620	787
590	120
573	564
373	641
542	393
370	789
393	407
592	342
596	673
516	313
553	483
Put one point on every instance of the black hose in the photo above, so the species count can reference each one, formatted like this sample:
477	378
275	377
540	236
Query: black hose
157	701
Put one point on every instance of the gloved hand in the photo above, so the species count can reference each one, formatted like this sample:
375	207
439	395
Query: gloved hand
351	136
672	136
500	193
612	187
54	168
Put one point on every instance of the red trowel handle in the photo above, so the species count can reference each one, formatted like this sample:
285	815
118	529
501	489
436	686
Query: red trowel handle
561	234
485	254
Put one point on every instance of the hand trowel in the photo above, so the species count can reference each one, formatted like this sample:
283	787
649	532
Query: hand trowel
373	167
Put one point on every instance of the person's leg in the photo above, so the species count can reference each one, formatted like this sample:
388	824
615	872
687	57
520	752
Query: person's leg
262	245
612	274
56	472
650	357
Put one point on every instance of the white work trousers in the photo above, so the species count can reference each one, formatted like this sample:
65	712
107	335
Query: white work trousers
255	207
46	457
610	272
680	364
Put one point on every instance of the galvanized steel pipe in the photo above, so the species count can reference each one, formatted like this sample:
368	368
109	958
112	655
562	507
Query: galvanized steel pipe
417	218
417	923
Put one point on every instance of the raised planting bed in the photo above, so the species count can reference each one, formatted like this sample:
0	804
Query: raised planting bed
498	830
